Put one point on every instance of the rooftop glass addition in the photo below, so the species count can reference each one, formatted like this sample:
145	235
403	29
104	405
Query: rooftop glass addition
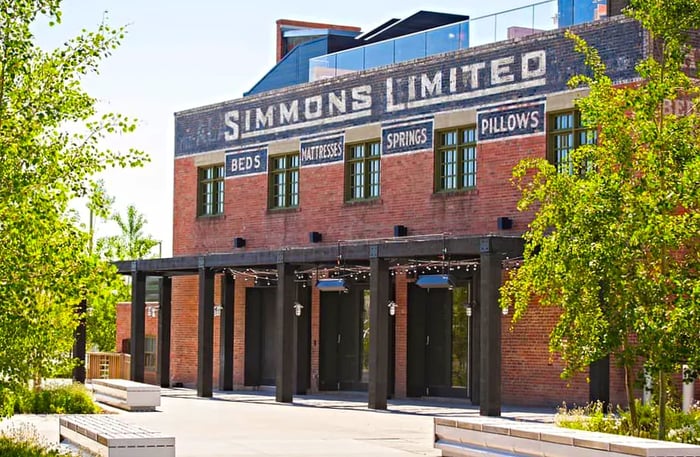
505	25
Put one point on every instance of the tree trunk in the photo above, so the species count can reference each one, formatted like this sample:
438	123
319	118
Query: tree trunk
37	382
662	406
629	388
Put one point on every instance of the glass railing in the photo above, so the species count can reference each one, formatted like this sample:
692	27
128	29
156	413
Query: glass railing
514	23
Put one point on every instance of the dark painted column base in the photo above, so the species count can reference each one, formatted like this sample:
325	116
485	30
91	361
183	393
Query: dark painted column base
164	323
490	331
379	334
138	324
226	333
285	334
205	347
599	387
80	343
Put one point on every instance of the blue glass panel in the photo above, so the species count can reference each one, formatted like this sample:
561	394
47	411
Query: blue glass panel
566	13
322	67
441	40
464	35
410	47
350	60
379	54
542	14
573	12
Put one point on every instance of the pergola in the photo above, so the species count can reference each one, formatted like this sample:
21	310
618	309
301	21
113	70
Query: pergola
489	251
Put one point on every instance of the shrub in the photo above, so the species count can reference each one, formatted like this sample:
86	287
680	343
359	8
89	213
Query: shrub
9	446
25	442
683	427
8	401
591	417
66	399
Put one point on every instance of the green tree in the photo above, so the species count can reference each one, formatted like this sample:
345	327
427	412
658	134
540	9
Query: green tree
50	138
101	319
615	244
131	242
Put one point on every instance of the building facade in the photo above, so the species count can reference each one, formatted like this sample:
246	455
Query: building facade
351	233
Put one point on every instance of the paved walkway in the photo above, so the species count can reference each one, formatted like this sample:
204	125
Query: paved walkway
247	424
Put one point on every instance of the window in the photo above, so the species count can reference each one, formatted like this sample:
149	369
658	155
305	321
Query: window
149	358
284	181
566	133
211	191
362	174
455	159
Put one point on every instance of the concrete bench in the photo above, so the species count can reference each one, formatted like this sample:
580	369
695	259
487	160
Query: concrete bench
125	394
487	437
106	436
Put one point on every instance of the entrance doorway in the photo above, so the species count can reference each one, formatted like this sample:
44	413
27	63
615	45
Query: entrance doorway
260	325
260	328
439	343
344	340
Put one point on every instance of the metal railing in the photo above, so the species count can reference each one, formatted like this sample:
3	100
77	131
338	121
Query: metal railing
504	25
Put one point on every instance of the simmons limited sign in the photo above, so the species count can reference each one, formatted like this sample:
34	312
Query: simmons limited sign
462	79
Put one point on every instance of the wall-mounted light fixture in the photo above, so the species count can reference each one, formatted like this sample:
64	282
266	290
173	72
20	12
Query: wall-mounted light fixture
331	285
504	311
217	310
315	237
400	230
297	308
504	223
152	310
392	308
239	242
439	281
469	308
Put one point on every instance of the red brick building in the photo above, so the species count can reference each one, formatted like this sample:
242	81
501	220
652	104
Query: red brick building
379	201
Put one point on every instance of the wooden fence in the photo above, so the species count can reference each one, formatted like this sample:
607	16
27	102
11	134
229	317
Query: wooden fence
112	365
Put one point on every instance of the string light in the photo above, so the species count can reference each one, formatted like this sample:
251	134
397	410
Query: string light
340	270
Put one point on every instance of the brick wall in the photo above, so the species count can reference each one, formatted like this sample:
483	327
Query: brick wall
407	198
530	376
183	343
124	332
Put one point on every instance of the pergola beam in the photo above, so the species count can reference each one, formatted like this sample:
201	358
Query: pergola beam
394	248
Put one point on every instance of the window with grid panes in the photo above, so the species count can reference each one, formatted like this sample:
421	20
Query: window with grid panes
149	352
566	133
211	191
362	165
284	181
455	159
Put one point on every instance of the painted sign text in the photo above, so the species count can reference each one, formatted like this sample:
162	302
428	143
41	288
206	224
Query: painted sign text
246	163
520	120
321	151
407	137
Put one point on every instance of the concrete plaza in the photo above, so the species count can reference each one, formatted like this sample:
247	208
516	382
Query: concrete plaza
247	424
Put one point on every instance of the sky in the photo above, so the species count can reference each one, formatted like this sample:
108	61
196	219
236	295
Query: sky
182	54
